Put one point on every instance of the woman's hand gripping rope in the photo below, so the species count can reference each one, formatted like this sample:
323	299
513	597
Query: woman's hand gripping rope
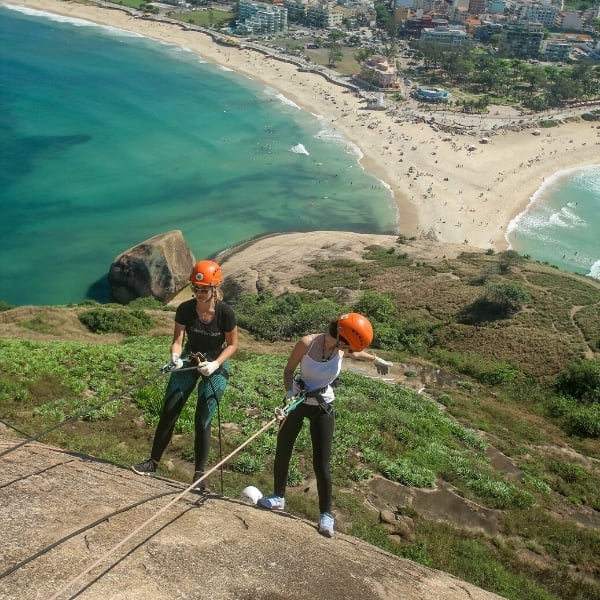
289	404
195	360
205	366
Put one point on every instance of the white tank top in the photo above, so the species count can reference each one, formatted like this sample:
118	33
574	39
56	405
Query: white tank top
318	374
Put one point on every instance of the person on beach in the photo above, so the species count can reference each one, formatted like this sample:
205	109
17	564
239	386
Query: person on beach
209	328
320	358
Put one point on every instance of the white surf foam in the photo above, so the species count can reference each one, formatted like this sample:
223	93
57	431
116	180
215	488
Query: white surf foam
299	149
552	182
50	16
71	20
595	270
283	99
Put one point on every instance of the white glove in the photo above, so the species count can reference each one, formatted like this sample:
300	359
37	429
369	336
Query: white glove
289	394
176	361
208	368
383	366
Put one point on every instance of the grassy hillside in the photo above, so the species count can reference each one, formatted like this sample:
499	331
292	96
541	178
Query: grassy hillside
492	473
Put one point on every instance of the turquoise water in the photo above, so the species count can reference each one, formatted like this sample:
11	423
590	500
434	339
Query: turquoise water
560	225
108	138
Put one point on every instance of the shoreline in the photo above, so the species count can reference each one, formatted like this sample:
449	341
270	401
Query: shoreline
447	187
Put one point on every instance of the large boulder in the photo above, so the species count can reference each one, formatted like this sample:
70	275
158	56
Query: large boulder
159	267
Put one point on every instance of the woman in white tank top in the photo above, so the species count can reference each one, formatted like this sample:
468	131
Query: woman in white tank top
320	359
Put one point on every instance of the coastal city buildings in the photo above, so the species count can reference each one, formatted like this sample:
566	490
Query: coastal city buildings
526	29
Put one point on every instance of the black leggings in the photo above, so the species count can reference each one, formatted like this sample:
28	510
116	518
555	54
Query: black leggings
321	434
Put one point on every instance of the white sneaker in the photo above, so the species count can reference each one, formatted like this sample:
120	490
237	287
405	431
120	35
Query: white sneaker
272	502
326	524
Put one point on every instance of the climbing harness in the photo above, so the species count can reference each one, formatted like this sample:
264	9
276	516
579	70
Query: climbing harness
317	394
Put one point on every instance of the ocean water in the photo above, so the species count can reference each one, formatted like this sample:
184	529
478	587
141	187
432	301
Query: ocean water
560	225
108	138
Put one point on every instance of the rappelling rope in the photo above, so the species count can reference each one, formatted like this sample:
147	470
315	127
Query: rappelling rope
280	415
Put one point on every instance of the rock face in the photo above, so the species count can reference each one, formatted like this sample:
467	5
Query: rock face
159	267
73	526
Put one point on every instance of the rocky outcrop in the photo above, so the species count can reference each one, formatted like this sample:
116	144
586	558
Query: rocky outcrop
159	267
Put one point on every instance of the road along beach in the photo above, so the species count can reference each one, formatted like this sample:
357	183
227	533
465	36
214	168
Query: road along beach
459	188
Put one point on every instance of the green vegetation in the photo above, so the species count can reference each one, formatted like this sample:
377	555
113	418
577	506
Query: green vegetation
127	322
211	17
510	425
479	78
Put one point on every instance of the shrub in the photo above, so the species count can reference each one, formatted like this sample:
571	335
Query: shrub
501	373
571	473
379	308
508	297
445	399
485	276
507	260
148	303
126	322
576	419
581	380
585	421
500	301
284	317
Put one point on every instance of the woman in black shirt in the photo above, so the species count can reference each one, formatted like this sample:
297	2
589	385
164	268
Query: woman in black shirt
208	326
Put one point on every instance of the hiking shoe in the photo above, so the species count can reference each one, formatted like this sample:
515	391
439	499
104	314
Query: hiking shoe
200	487
272	502
148	467
326	524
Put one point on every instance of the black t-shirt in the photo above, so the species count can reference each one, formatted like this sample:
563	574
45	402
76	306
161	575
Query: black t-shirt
208	338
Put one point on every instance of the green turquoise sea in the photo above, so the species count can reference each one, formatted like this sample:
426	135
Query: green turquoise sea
108	138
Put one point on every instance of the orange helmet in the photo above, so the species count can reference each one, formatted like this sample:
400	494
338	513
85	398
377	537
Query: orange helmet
356	330
206	272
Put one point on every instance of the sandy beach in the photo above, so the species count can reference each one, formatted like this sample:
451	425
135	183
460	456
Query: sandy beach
448	187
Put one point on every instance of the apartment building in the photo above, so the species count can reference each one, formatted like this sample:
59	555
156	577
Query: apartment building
446	35
522	40
261	18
